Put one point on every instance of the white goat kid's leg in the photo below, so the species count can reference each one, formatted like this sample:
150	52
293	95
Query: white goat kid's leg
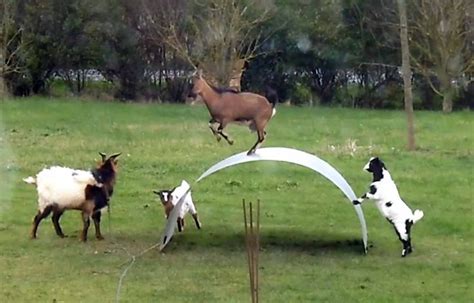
194	214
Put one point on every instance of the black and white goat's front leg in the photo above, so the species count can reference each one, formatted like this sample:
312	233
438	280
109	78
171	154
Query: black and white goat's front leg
371	194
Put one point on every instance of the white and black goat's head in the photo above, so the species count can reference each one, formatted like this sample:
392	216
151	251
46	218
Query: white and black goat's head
376	167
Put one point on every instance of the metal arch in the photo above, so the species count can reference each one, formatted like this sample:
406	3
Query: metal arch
281	154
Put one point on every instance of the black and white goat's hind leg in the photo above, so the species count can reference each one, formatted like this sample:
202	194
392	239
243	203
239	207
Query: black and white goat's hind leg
403	230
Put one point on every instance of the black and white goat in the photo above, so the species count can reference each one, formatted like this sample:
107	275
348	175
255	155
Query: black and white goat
169	198
387	199
61	188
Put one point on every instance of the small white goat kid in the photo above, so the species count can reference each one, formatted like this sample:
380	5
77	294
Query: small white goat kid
169	198
387	199
62	188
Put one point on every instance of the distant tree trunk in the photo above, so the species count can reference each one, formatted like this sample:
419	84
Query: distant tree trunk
406	71
3	88
236	75
448	93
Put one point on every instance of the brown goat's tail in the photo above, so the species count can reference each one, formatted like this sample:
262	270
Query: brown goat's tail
30	180
271	95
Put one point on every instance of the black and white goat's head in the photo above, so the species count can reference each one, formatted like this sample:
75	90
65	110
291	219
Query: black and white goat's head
376	167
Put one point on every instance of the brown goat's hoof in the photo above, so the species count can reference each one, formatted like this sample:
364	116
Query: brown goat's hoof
231	142
100	238
32	237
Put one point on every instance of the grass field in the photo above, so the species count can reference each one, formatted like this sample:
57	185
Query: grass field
311	250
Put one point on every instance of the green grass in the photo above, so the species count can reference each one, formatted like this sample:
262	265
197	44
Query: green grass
311	248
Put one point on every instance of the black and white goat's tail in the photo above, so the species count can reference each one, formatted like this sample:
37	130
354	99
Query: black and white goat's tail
417	215
30	180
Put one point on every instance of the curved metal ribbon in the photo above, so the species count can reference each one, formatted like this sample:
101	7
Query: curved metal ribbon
281	154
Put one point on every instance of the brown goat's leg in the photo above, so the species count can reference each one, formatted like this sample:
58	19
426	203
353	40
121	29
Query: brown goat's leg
96	217
196	220
57	213
36	221
86	221
224	135
212	124
260	139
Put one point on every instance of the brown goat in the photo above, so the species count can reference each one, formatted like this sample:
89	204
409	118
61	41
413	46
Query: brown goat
62	188
229	106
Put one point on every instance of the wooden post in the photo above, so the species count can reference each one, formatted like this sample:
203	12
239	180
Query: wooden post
252	245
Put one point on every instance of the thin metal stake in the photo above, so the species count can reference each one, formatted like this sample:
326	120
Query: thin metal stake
252	244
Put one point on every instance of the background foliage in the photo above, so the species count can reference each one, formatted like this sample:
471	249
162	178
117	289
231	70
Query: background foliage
330	52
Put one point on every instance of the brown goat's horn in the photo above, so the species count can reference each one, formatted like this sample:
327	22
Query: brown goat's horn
103	156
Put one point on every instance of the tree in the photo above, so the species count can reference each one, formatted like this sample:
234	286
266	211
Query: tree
10	43
406	72
219	35
441	37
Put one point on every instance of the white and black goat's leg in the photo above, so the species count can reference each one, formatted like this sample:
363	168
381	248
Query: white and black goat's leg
403	230
37	219
96	216
213	127
57	213
371	194
86	221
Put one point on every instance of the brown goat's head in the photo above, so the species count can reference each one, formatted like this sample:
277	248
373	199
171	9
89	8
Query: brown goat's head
197	84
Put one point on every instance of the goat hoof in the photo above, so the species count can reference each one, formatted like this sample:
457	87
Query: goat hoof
100	238
231	142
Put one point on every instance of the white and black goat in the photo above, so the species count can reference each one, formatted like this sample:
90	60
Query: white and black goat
169	198
62	188
387	199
